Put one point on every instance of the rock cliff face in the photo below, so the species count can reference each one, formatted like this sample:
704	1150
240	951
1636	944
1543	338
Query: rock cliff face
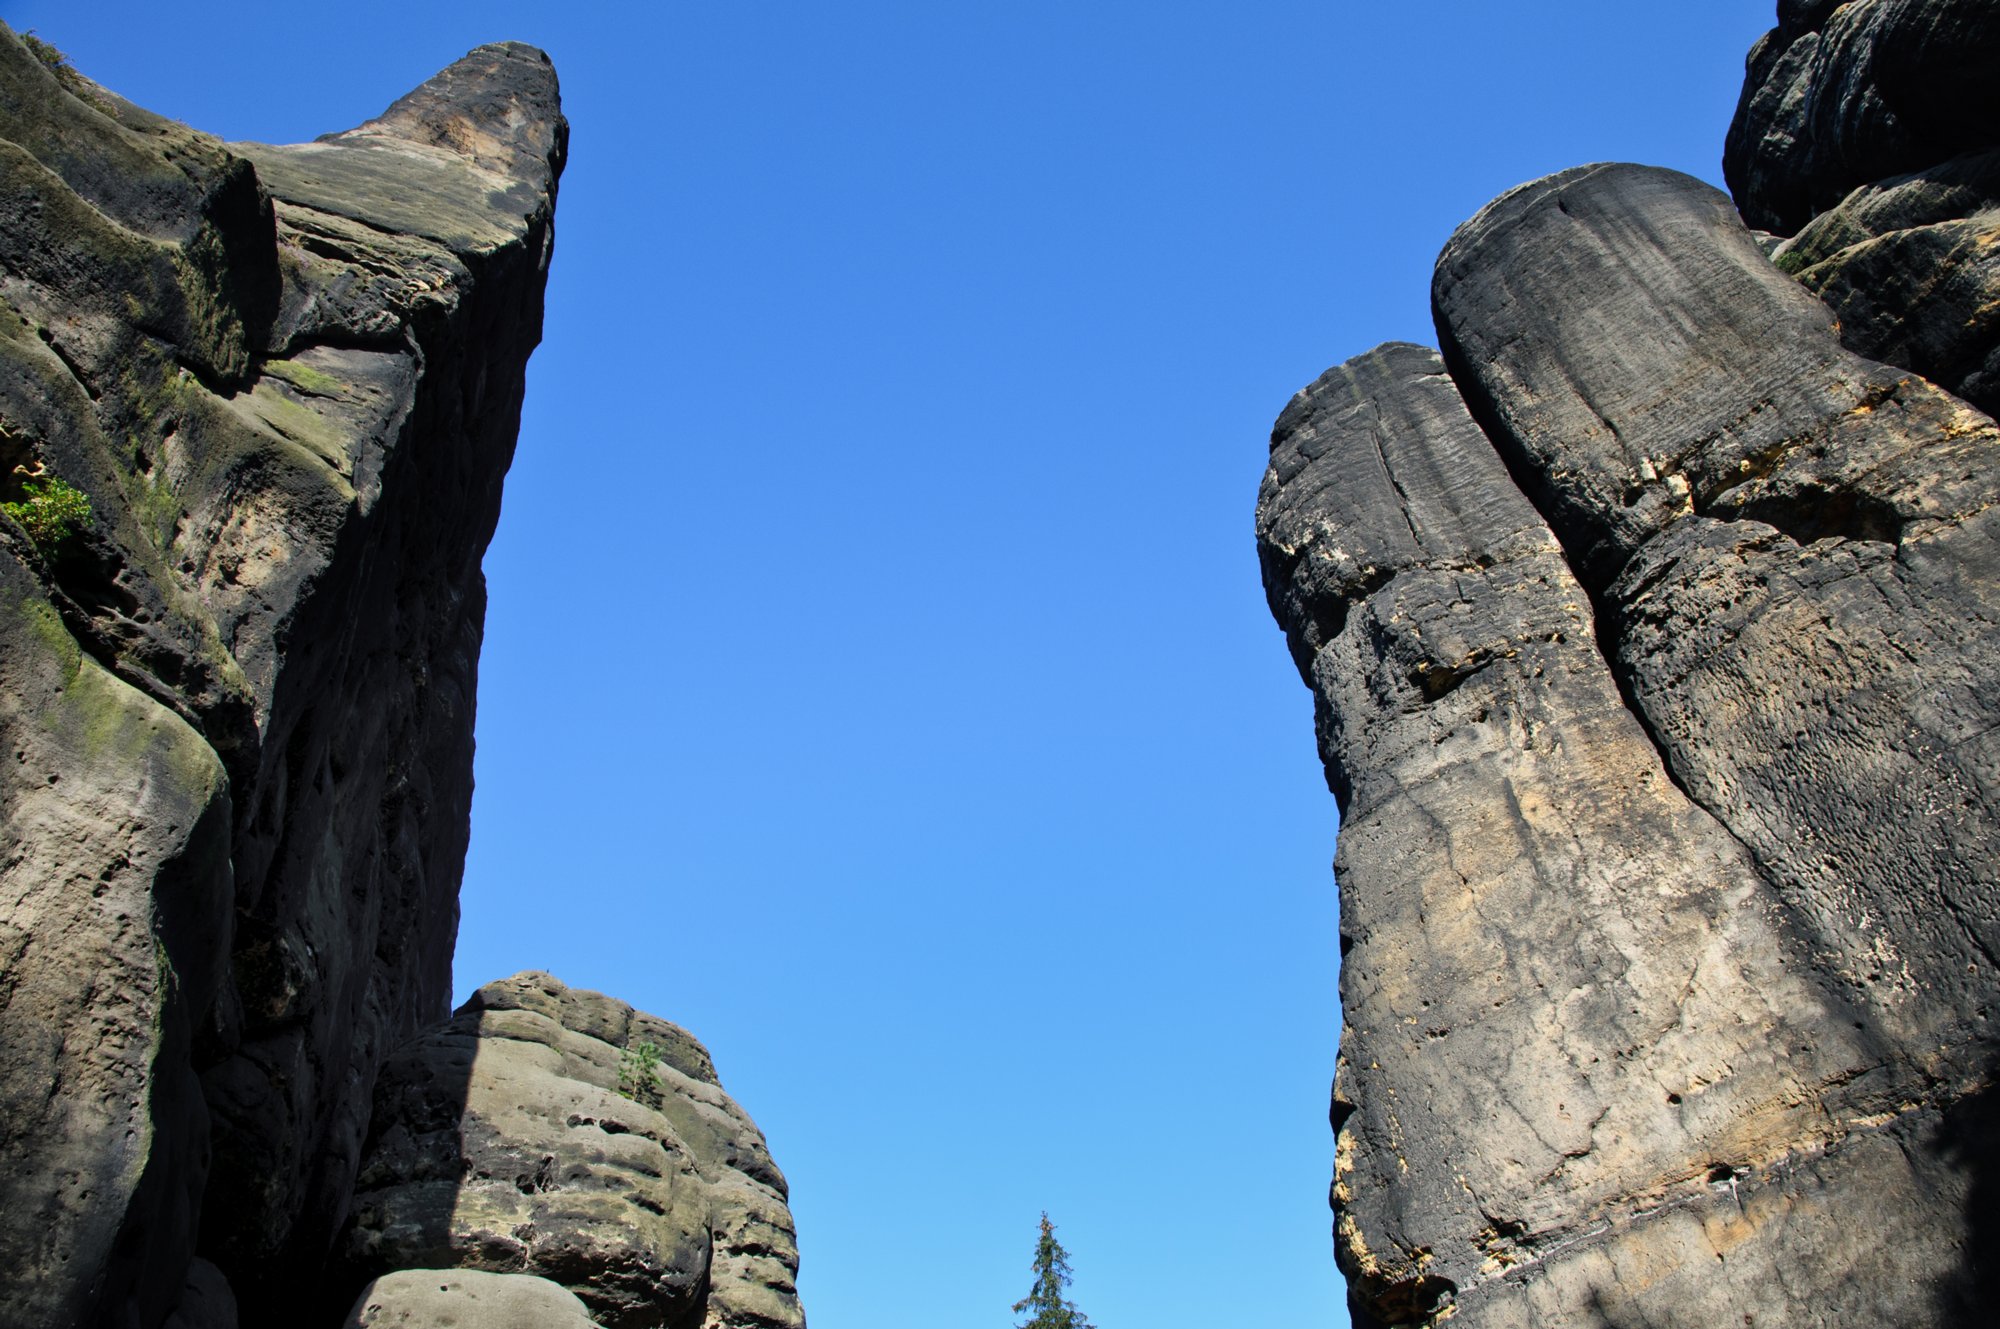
562	1134
1655	640
1866	135
238	692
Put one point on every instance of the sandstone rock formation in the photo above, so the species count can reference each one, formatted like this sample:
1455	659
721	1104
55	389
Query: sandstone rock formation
1846	92
529	1135
238	696
1655	641
465	1299
1867	135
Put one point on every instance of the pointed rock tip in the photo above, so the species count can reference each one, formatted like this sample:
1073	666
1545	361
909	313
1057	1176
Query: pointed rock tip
499	106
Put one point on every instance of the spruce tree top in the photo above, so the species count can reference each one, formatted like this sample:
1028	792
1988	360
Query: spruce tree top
1045	1300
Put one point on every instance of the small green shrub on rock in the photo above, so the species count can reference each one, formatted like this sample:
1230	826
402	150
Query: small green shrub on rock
58	64
50	510
639	1074
44	51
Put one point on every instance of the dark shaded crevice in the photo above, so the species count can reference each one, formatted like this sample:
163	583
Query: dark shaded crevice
324	339
216	385
1817	512
1594	562
1589	558
1326	615
69	362
1403	504
1968	1139
1392	1303
1437	681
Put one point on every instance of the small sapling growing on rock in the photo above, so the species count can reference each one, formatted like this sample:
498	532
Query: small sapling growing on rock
639	1074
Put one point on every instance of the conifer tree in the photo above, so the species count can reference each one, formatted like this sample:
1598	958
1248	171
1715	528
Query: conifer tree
1049	1309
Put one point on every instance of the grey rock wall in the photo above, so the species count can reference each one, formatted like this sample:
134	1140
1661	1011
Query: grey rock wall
239	697
1842	94
525	1136
1911	265
1654	637
1867	136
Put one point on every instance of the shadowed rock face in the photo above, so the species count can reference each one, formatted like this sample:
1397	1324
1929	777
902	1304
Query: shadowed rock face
1867	133
239	697
1842	94
1652	635
527	1136
1912	267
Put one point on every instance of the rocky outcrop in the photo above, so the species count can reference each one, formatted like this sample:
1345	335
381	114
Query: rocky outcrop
1566	998
562	1134
276	390
1652	633
1867	134
1841	94
239	692
1912	267
465	1299
1793	554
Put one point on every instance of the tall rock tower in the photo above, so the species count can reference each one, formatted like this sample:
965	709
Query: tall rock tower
256	406
1653	625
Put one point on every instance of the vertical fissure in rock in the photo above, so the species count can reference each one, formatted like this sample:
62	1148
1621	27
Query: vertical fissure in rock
1606	619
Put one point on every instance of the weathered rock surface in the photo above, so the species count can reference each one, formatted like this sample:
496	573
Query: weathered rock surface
465	1299
1870	135
239	700
525	1137
1576	1020
1911	267
1656	655
1796	559
1844	94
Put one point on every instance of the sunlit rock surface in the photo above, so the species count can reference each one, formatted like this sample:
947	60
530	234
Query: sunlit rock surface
239	698
465	1299
529	1134
1654	635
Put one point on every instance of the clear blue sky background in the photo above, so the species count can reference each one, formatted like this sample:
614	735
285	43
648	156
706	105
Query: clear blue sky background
877	678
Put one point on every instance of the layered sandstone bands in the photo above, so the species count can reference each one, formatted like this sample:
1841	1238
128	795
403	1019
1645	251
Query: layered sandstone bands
1655	642
239	703
524	1137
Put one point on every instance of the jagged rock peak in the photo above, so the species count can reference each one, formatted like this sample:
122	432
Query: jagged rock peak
287	383
500	106
470	158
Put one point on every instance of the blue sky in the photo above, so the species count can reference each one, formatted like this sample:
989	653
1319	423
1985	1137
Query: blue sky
877	678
